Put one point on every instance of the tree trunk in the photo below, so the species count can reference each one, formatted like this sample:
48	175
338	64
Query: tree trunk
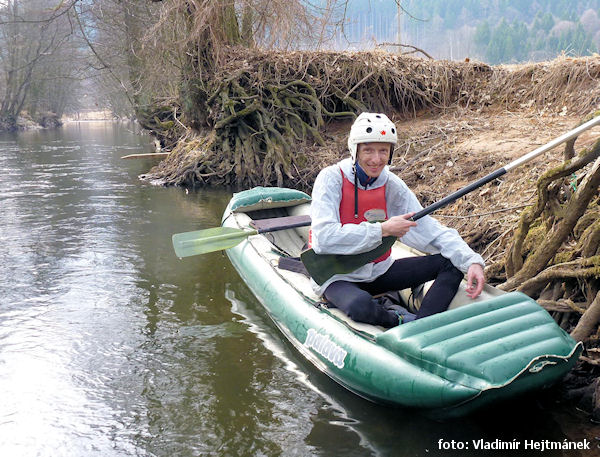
247	23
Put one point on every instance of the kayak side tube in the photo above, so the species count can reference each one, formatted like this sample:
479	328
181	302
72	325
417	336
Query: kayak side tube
502	346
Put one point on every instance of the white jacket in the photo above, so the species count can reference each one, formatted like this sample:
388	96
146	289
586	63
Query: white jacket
329	236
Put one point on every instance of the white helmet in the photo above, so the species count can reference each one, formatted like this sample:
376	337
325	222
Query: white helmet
371	128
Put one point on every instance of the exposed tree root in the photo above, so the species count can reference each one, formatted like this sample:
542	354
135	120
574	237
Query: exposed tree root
558	227
268	109
554	254
588	322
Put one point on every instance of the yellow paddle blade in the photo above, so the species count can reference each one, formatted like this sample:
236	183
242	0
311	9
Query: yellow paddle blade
208	240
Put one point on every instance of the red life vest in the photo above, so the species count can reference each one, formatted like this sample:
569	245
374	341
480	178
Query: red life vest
368	200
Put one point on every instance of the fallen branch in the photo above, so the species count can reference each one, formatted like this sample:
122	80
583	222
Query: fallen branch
147	155
414	48
561	306
590	360
449	216
588	322
358	84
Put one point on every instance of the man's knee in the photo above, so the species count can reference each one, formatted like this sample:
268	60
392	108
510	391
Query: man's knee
350	299
449	268
359	308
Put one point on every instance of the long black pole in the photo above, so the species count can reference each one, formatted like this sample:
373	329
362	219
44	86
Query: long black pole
506	168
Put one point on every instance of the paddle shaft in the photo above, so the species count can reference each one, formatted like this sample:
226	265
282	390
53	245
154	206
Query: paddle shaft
220	238
505	169
280	223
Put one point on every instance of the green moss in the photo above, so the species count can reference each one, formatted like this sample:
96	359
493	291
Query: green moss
167	125
564	256
535	236
592	261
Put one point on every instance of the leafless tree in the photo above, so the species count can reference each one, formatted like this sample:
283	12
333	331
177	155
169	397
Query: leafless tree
113	31
33	34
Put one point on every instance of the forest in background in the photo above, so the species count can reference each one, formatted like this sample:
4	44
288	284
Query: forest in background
64	57
488	30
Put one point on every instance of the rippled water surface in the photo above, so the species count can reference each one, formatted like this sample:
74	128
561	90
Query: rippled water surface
111	346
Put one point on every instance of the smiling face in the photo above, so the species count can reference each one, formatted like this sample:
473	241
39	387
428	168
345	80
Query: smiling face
373	157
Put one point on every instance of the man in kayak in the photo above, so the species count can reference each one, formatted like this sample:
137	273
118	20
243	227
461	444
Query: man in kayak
357	202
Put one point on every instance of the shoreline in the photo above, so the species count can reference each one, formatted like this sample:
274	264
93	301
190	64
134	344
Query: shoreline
25	122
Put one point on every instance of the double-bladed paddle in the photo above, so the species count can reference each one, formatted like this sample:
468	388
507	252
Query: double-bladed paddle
323	266
220	238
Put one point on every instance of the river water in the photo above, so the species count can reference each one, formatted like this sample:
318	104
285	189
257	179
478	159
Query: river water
111	346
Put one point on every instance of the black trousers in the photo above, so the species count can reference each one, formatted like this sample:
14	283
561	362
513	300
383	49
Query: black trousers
356	298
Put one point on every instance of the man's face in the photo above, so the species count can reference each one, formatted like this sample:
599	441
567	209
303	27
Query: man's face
373	157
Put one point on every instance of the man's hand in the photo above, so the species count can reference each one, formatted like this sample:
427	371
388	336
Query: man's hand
397	225
475	280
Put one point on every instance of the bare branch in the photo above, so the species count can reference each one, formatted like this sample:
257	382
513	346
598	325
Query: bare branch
46	20
414	48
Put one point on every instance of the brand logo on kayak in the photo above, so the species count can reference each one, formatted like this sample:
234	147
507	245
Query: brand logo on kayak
327	348
540	366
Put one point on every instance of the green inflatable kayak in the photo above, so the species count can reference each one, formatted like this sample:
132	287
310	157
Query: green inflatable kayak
479	351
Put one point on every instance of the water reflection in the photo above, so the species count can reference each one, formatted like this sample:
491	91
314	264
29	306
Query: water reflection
295	391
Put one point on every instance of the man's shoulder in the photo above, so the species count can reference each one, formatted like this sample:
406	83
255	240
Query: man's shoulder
331	171
395	181
327	181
